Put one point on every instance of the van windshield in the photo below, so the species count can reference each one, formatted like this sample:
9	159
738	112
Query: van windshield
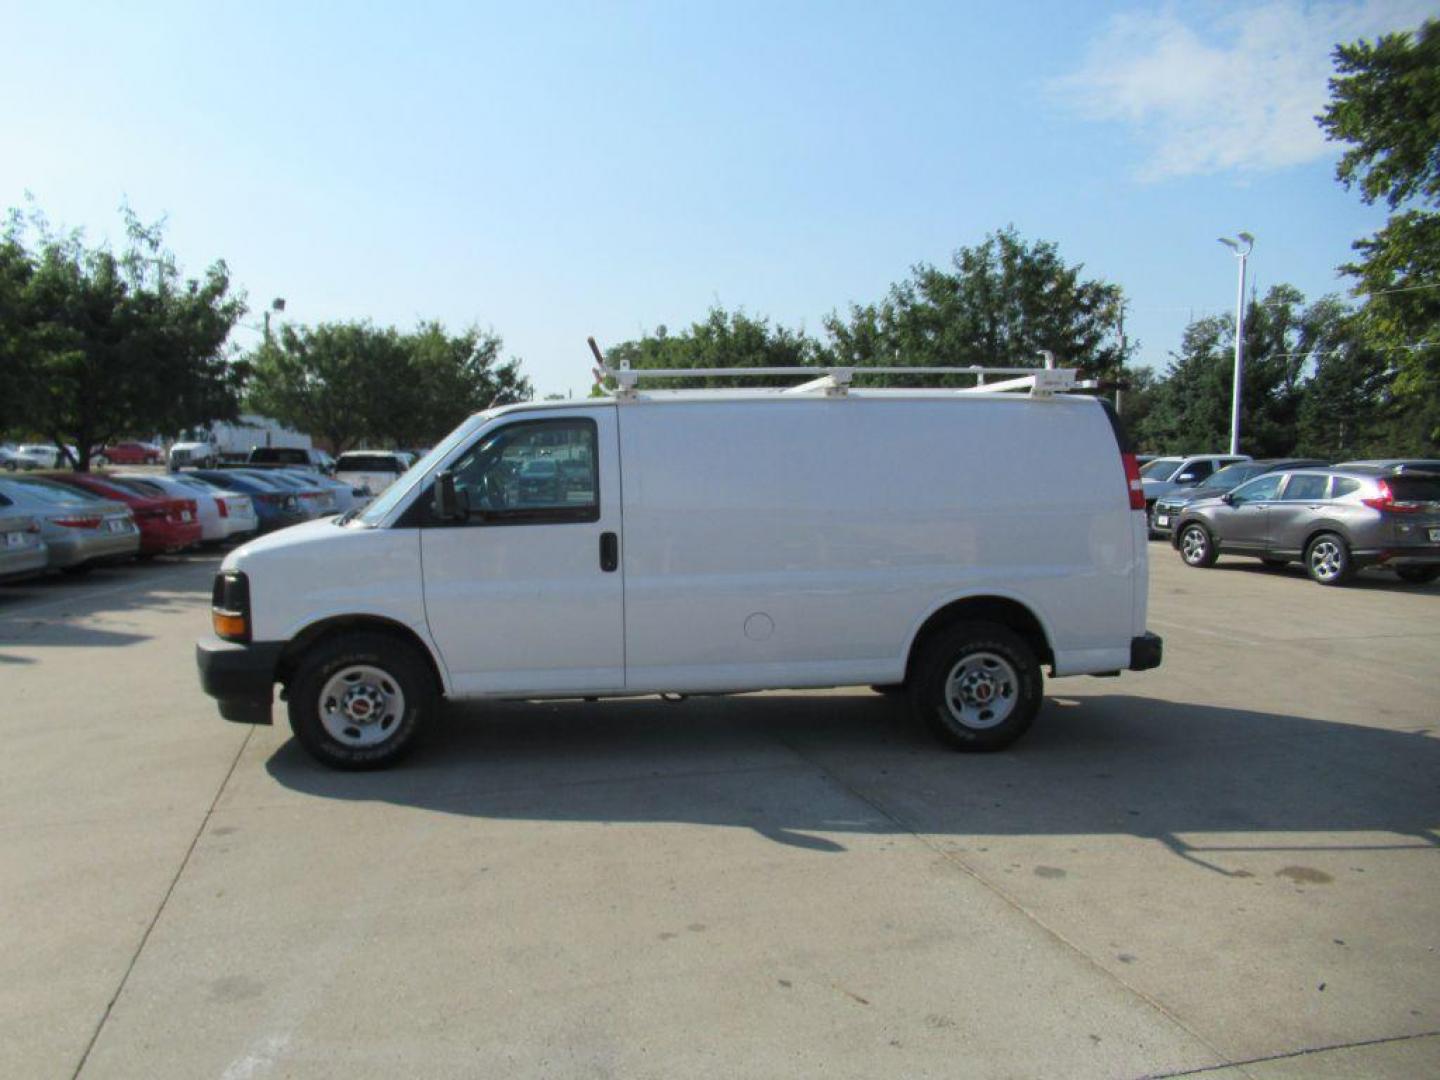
397	492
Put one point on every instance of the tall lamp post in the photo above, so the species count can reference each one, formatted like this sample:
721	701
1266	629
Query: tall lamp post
1241	248
277	305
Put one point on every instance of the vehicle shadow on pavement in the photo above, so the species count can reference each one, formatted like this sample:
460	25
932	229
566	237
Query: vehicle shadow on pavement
166	584
1366	579
791	766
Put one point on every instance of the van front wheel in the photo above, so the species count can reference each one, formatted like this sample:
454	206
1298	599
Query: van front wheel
357	701
977	686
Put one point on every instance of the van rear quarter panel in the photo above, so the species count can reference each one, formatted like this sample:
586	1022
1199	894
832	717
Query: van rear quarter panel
832	528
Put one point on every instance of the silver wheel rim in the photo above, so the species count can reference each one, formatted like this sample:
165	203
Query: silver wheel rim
1326	560
981	690
361	705
1193	545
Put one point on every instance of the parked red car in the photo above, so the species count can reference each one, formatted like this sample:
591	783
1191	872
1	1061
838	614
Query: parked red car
165	524
130	453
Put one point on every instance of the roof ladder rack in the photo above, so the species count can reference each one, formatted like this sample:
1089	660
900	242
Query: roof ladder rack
1040	382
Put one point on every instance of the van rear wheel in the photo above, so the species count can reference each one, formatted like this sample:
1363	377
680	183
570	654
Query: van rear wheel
358	701
977	686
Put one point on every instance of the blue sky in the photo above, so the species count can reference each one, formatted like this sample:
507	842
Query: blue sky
555	170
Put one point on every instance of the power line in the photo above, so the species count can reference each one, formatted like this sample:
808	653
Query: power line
1411	347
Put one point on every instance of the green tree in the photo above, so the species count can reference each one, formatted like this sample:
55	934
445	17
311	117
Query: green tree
98	345
351	382
998	304
725	339
1346	412
1189	411
452	376
1385	103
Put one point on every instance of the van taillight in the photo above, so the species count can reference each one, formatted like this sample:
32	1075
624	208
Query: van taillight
1132	481
224	510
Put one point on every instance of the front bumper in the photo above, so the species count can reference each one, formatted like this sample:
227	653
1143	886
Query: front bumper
241	678
1146	651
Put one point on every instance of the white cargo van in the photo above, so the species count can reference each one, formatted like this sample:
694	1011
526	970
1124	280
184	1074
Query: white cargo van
947	544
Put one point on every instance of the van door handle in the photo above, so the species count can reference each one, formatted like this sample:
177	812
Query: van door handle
609	552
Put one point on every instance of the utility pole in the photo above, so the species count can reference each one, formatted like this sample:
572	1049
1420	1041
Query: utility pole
1121	319
1241	247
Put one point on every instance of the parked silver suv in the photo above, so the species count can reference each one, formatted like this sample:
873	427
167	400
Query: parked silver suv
1333	520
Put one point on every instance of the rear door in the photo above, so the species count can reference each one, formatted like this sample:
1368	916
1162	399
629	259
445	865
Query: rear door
526	595
1293	513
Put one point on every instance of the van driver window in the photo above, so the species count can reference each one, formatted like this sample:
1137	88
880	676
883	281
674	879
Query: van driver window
539	471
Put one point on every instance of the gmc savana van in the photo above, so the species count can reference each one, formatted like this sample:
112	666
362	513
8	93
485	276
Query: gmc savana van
945	544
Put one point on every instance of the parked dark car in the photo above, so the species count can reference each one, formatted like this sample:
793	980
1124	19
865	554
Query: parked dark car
275	505
1333	520
1398	465
1166	510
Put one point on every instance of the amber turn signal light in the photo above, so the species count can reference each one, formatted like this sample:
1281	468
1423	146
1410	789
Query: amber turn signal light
229	625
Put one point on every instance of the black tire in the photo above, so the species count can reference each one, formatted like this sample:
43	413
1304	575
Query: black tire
383	665
1274	563
1197	546
1004	686
1418	575
1327	560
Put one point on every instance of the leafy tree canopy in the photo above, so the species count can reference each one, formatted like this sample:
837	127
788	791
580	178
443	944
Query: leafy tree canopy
352	382
1385	103
998	304
96	345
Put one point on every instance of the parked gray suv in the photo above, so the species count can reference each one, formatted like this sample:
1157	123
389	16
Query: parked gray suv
1333	520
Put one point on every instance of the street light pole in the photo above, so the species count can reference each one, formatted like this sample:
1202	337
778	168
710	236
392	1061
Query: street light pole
1241	247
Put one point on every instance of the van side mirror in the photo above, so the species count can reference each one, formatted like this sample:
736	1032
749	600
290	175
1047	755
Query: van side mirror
1185	478
1229	498
448	503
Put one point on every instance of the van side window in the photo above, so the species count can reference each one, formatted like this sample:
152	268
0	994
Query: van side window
1343	486
531	473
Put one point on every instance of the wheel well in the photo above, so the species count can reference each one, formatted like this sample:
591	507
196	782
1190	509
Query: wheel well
1321	532
348	624
995	609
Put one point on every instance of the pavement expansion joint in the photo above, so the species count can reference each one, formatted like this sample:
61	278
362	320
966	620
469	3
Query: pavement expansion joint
1289	1055
160	908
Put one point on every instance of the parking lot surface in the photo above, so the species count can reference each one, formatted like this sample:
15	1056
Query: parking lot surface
1225	866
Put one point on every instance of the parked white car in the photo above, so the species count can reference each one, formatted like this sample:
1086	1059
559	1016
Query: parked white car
200	455
222	514
371	471
40	456
952	544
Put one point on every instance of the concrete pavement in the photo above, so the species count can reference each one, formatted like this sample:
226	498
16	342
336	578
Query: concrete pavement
1228	864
